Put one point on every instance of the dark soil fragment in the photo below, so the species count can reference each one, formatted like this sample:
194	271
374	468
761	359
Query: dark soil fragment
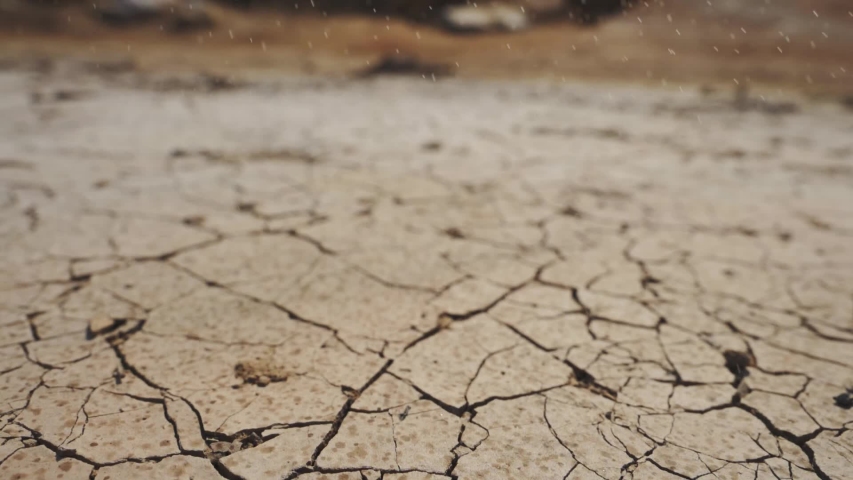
405	65
844	400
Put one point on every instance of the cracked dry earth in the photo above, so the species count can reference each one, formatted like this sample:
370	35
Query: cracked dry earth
396	279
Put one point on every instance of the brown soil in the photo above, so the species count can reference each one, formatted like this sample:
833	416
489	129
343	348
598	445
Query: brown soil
789	47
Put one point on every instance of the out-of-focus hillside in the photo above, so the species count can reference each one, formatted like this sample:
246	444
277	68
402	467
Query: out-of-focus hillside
789	44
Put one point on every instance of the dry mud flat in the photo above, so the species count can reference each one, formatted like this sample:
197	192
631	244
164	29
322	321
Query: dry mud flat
402	279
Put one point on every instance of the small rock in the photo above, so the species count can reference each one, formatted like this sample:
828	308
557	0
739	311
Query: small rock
100	324
221	447
263	381
844	400
30	442
405	413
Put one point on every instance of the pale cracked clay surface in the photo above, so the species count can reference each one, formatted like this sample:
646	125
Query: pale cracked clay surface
406	280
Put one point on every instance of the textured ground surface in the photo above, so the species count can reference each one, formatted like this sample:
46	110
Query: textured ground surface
795	45
402	279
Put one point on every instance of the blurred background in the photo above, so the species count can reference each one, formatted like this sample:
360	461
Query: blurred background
791	45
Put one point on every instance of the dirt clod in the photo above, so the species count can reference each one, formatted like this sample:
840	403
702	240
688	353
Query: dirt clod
844	400
260	373
100	324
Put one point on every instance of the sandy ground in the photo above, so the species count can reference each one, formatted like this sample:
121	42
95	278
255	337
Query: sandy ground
787	45
408	279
